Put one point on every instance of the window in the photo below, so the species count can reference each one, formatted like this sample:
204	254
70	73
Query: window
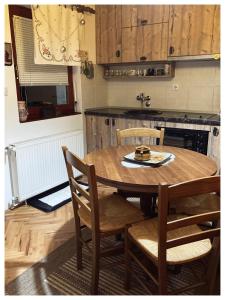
47	89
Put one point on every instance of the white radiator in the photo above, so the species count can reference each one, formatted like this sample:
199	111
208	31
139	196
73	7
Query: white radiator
38	165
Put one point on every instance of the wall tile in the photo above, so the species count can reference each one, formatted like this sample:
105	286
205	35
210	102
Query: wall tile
200	98
199	89
216	100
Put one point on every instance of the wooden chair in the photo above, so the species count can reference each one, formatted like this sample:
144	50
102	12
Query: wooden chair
196	205
176	239
147	201
104	216
139	132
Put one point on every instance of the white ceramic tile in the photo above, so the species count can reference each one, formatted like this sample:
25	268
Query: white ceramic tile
176	99
198	89
200	98
216	99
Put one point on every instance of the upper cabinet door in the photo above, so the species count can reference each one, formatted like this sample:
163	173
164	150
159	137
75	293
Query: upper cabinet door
108	34
194	30
216	31
145	43
136	15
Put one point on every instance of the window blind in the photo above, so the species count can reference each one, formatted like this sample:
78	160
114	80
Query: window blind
29	73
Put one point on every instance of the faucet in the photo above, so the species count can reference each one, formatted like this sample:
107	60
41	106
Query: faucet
143	99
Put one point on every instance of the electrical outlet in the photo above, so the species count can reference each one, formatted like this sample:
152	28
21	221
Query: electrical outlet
175	86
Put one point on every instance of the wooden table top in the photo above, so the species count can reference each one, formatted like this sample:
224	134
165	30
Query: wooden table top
187	165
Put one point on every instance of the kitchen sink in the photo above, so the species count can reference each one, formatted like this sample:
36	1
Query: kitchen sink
143	112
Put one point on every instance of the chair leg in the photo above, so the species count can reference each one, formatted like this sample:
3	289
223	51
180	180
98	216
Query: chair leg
79	255
127	261
213	266
162	279
95	266
78	244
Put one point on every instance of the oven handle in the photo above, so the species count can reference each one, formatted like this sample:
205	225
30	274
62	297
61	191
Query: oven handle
216	131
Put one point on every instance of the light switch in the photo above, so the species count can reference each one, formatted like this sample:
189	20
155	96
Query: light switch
6	91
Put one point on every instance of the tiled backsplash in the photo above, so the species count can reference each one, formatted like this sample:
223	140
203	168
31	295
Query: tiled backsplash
198	89
94	91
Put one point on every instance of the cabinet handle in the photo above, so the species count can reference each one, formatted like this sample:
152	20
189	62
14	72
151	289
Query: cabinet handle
171	50
107	122
113	122
143	58
215	131
144	22
117	53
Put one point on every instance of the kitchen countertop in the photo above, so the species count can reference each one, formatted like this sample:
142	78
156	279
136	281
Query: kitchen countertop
175	116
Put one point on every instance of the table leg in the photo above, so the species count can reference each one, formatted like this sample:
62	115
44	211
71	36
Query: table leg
147	203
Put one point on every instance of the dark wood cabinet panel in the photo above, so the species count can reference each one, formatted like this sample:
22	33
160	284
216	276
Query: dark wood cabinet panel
136	15
108	34
145	43
194	30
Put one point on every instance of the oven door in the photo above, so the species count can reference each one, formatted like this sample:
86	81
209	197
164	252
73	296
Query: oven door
196	140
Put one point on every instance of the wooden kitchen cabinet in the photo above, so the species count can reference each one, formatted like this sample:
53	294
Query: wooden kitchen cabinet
194	30
108	34
145	43
98	132
121	123
144	36
136	15
91	133
101	131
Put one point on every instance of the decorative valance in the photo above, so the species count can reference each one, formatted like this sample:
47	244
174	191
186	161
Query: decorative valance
57	33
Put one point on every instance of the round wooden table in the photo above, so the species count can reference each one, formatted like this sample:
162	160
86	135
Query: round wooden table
187	165
144	181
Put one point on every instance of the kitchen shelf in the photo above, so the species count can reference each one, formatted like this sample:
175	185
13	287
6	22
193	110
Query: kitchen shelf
138	77
147	71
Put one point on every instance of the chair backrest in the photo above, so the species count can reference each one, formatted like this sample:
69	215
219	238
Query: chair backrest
140	132
88	200
167	193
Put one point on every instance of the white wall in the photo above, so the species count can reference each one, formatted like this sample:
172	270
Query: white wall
16	131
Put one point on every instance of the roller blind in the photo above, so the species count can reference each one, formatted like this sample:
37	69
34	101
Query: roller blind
29	73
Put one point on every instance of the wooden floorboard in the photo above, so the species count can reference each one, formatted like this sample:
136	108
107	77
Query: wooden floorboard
31	234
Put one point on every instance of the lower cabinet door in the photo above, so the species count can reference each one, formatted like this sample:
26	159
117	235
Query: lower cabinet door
103	129
91	133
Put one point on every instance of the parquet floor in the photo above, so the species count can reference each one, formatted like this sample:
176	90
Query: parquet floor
31	234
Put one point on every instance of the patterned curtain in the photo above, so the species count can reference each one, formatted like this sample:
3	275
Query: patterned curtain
57	34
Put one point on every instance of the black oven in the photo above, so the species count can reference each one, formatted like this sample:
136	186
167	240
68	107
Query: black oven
196	140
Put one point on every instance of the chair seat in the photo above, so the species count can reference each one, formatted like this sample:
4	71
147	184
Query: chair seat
196	204
145	233
114	213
